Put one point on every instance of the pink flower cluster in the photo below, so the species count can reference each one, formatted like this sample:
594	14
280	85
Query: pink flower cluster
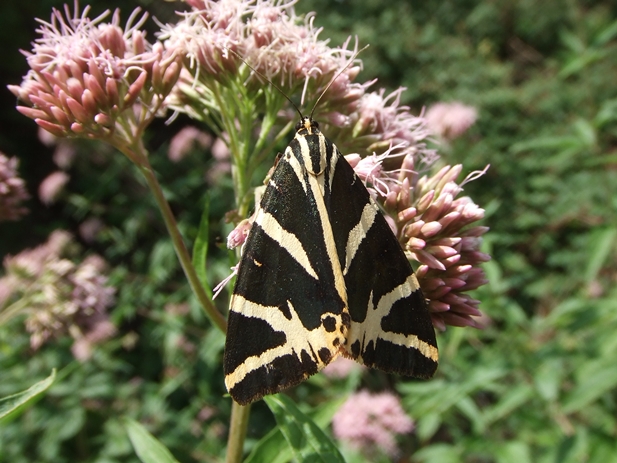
266	34
371	422
95	79
450	120
286	48
341	367
12	190
433	224
436	228
51	187
443	238
59	296
86	76
185	140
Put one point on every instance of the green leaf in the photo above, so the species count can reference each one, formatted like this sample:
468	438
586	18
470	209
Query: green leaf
508	403
427	425
322	415
147	447
307	441
548	378
595	379
513	452
602	241
586	133
572	42
438	453
271	448
606	114
163	261
14	405
200	246
580	62
547	143
606	35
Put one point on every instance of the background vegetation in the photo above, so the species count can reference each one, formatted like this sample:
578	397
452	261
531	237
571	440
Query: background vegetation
538	384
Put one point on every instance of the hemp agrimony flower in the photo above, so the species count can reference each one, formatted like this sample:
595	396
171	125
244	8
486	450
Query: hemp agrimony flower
94	79
12	190
370	422
217	87
450	120
58	296
51	187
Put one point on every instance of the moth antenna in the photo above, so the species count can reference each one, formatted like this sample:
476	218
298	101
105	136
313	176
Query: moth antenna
349	63
267	80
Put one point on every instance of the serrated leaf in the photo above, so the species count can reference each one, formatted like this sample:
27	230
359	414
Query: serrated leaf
14	405
146	446
307	441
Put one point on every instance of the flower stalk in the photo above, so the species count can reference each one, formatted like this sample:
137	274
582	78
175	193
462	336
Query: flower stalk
237	432
182	252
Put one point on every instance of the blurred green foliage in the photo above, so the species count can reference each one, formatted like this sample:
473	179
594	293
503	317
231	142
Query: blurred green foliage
538	384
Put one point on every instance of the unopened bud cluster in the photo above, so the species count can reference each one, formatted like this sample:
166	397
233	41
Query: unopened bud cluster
437	229
86	76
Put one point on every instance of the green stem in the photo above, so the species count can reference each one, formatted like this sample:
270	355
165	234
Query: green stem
139	156
237	432
239	142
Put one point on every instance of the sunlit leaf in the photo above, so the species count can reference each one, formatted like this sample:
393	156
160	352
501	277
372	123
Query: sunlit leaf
14	405
147	447
307	441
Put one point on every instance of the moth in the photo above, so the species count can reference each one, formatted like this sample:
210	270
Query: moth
321	275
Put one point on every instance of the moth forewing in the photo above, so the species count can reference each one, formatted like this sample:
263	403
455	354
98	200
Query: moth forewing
321	274
288	316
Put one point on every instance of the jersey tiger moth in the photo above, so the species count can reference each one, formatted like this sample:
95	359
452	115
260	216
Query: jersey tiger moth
321	275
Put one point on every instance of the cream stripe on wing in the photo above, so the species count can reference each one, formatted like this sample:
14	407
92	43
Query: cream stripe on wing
411	340
295	165
314	184
298	338
333	160
358	233
370	329
285	239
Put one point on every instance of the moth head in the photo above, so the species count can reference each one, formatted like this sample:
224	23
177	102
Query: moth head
307	126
